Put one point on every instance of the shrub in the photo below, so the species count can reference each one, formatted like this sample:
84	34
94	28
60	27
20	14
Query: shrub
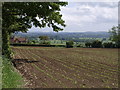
96	44
88	44
69	44
59	45
46	43
33	41
109	45
80	45
117	45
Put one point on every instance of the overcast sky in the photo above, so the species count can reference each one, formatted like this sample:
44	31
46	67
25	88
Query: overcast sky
87	16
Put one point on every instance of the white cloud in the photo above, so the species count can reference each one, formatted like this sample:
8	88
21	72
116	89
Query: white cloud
87	16
91	0
87	13
105	12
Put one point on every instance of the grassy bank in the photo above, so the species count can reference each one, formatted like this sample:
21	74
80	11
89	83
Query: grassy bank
10	77
0	73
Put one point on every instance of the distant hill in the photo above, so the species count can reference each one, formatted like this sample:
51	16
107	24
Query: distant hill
65	35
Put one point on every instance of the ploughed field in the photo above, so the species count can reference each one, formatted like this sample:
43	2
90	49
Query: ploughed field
50	67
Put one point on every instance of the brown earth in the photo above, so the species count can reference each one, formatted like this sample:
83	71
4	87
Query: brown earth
67	68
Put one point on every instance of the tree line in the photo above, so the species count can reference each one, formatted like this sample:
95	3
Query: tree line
99	44
114	37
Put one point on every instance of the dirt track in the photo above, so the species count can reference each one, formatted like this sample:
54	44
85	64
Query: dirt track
67	68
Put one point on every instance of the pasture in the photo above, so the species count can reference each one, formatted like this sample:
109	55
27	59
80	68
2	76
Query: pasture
52	67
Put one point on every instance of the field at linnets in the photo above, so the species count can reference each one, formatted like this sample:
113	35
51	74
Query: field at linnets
52	67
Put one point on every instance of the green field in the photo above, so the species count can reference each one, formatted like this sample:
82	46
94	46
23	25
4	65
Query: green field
82	42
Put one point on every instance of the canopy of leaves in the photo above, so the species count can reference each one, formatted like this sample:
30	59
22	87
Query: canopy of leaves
19	16
88	44
69	44
96	44
44	37
115	34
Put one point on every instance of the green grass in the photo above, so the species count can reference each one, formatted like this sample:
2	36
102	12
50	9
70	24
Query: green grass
10	77
0	73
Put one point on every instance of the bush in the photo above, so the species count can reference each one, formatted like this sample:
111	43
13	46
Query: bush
117	45
69	44
59	45
88	44
33	41
109	45
80	45
46	43
96	44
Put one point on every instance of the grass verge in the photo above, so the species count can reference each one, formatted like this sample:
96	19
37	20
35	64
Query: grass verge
10	77
0	73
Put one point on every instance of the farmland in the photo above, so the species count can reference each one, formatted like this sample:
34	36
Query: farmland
52	67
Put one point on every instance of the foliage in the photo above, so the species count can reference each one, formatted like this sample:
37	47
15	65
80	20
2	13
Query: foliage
69	44
46	43
109	45
80	45
44	37
96	44
115	35
22	14
88	44
33	41
19	16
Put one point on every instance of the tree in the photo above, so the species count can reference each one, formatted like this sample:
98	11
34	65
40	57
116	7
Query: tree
69	44
44	38
80	45
88	44
115	35
19	16
33	41
96	44
109	45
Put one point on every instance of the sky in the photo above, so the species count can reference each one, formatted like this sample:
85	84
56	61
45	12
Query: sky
87	16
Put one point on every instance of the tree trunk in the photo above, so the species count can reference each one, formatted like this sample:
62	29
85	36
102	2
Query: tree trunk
6	43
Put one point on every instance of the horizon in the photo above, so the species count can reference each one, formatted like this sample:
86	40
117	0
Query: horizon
67	32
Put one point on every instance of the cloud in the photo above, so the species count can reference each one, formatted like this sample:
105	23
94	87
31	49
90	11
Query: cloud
86	10
82	14
89	16
91	0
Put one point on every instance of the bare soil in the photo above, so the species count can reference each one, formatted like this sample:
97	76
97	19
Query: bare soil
46	67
